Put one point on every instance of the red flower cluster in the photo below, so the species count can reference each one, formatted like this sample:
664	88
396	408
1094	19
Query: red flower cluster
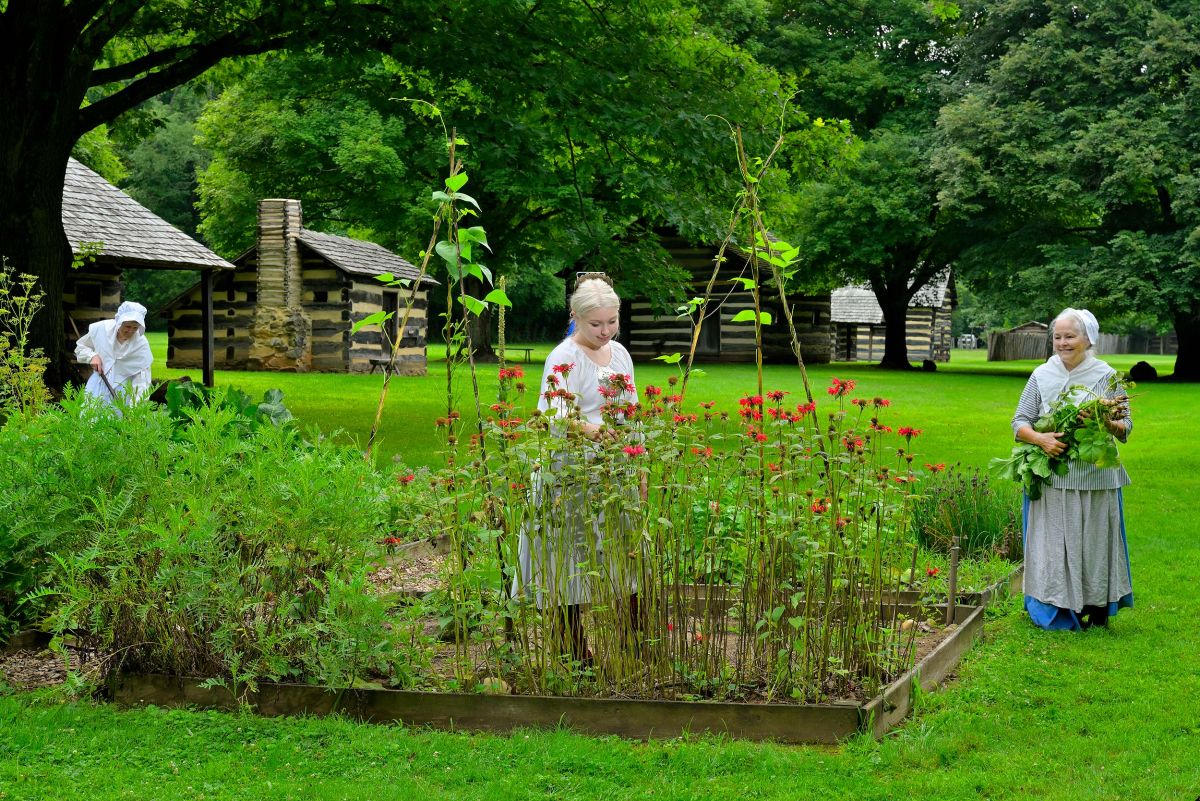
819	507
407	478
685	418
634	450
852	444
563	369
652	391
621	381
909	432
551	394
707	404
881	402
777	395
751	400
931	571
935	468
705	452
673	399
806	408
391	541
507	373
609	392
840	388
750	413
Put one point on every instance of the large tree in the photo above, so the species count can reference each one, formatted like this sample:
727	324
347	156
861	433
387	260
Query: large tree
878	218
68	67
1074	143
587	132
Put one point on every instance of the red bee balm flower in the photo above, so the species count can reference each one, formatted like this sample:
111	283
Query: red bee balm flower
840	388
931	571
634	450
407	478
907	431
563	369
777	394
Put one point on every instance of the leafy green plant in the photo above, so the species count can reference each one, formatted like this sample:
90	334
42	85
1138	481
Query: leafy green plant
1083	432
22	390
221	549
966	507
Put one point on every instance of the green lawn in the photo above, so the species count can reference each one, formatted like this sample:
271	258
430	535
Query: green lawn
1106	714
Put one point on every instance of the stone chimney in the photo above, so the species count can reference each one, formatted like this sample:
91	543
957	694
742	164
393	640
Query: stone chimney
281	334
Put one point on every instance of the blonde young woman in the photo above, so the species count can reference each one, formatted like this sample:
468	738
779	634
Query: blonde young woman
1076	558
571	549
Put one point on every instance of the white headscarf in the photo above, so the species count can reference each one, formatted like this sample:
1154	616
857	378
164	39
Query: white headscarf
131	311
1088	325
1053	377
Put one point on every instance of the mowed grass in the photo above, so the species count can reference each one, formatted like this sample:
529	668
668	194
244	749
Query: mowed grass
1106	714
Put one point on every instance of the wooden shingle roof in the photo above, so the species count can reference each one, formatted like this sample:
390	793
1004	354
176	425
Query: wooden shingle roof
857	303
358	257
96	212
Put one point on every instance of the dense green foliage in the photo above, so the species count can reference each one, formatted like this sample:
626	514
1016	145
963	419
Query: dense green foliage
1071	143
199	539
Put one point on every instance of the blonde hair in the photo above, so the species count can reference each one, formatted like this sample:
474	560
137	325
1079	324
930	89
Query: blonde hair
593	291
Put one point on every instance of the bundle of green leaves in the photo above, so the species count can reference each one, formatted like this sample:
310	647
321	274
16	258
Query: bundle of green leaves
1081	423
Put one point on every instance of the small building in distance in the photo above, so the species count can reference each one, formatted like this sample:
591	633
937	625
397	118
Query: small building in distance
110	232
649	334
292	300
859	332
1029	340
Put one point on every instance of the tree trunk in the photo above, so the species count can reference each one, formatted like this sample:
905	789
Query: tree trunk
41	88
895	323
1187	360
32	241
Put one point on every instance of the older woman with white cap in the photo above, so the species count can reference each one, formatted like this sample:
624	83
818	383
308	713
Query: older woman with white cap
1076	558
119	354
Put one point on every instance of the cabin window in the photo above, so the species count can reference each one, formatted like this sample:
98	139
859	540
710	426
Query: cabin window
88	295
320	296
231	294
252	296
229	333
229	351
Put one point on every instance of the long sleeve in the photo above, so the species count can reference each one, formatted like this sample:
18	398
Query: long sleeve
85	348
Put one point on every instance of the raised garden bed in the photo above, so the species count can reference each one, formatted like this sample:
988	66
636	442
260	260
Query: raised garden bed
788	723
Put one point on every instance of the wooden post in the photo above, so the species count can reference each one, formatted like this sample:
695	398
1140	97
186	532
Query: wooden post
206	338
952	593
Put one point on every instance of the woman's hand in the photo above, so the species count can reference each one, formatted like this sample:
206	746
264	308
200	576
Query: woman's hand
1050	443
98	364
598	433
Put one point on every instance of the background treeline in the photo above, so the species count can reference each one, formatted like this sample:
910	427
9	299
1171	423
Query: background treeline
1046	150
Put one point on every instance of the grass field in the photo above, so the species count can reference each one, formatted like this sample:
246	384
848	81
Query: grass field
1105	714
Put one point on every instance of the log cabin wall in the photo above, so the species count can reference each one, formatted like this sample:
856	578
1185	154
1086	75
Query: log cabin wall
90	294
235	295
367	297
722	340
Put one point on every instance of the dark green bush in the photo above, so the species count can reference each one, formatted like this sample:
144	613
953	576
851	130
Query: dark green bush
209	549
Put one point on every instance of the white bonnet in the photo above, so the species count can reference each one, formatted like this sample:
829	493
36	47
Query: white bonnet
1085	320
132	311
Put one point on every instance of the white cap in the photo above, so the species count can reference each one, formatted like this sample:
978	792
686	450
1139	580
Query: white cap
132	311
1088	324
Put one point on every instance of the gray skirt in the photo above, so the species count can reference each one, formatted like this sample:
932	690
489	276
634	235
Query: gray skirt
580	547
1075	550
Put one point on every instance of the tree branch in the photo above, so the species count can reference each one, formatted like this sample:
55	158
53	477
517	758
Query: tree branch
199	60
132	69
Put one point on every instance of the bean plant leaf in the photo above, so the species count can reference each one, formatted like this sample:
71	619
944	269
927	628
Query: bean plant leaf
456	182
498	297
747	315
378	318
474	305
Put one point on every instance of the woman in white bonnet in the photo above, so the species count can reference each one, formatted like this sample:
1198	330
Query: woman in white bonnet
1076	559
119	354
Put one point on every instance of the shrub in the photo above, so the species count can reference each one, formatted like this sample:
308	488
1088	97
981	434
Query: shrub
982	513
210	549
